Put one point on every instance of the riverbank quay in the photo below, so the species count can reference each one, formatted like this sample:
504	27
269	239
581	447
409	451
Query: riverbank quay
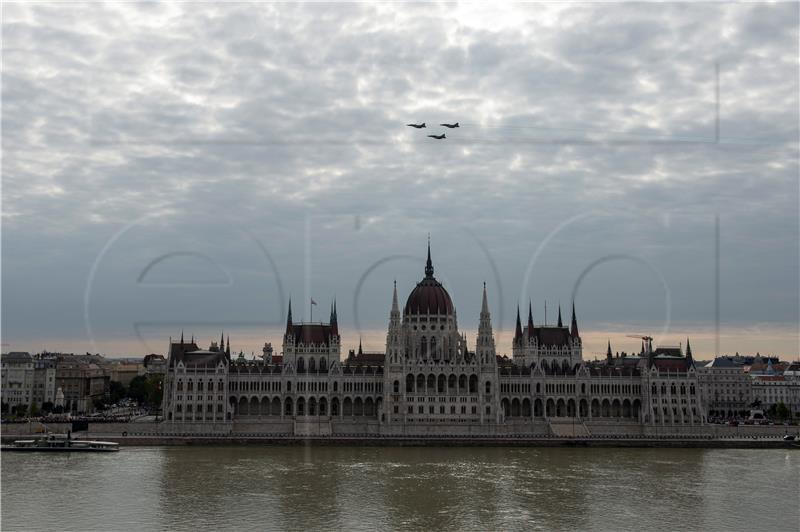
369	441
139	439
552	433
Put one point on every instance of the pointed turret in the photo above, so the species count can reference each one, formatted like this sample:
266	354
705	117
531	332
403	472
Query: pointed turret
429	263
334	320
222	341
360	351
228	348
560	323
518	330
574	328
181	336
395	307
530	318
289	318
609	355
689	352
484	345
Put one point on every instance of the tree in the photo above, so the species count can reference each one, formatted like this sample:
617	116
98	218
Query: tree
154	392
47	406
5	408
34	411
20	410
782	411
116	392
137	389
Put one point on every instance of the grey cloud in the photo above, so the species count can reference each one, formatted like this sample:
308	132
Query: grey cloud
277	116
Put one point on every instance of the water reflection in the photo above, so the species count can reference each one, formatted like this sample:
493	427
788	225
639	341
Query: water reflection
184	488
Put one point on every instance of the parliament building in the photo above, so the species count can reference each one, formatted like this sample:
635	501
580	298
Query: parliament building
429	381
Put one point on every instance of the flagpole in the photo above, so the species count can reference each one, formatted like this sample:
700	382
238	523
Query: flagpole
311	310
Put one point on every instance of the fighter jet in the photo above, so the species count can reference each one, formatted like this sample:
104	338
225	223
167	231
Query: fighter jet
438	137
418	126
451	126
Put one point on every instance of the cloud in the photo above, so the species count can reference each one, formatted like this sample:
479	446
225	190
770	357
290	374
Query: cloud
289	121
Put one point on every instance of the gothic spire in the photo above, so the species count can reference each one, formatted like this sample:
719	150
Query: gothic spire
228	348
608	353
689	352
181	336
530	318
518	331
289	318
395	307
574	329
222	341
484	302
360	351
334	320
429	264
560	323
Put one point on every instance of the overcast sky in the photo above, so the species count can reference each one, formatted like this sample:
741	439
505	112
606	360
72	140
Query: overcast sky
173	167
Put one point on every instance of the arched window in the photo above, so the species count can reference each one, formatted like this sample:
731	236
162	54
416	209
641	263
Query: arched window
312	365
488	387
409	383
301	365
323	364
335	386
473	384
396	386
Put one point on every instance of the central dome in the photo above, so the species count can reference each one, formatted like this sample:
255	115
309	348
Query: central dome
429	296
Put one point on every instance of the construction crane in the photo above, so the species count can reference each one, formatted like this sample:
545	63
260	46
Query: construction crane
648	339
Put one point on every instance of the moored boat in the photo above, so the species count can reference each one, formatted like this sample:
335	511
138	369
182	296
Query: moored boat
61	443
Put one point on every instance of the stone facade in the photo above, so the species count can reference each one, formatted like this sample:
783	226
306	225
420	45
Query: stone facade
428	381
17	379
727	389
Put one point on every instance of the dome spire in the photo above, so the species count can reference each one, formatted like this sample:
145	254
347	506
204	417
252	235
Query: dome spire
429	263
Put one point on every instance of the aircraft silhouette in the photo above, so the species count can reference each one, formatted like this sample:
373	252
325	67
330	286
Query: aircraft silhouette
418	126
438	137
450	125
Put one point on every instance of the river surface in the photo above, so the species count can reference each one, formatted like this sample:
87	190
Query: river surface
351	488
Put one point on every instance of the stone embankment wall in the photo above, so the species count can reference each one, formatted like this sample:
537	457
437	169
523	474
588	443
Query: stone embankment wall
33	428
360	429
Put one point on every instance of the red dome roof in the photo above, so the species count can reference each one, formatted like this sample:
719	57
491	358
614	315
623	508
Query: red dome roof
429	297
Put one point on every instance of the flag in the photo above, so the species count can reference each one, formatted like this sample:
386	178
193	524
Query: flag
313	302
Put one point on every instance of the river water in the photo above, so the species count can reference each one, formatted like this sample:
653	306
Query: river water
372	488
